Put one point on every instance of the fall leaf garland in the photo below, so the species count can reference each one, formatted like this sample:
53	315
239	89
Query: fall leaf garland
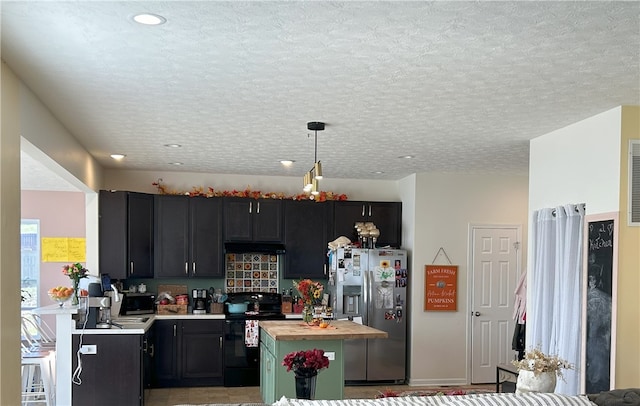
247	193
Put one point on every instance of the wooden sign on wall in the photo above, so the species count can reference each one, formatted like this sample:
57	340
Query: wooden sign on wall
441	287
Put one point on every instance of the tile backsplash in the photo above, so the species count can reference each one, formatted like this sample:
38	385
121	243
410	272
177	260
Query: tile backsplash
251	272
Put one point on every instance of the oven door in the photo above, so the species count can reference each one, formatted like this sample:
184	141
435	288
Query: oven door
236	352
241	363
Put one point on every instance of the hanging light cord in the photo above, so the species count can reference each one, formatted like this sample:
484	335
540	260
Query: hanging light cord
315	155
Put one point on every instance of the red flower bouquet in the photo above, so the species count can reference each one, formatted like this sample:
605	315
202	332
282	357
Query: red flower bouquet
307	362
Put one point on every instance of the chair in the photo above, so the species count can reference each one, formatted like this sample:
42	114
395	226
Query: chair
37	369
38	361
37	332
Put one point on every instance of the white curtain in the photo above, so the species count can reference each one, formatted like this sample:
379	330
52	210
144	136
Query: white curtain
554	320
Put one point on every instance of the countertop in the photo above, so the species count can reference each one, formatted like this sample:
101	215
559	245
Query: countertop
140	324
338	330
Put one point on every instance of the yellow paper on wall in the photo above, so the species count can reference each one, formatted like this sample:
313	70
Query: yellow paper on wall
63	249
77	250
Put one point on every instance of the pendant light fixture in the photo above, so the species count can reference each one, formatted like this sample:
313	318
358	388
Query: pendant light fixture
311	178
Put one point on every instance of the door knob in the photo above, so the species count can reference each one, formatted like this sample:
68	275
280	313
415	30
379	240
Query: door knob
477	314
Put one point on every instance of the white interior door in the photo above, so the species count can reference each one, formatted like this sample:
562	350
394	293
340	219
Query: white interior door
495	271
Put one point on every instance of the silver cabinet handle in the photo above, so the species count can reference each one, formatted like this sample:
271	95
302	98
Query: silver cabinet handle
220	342
363	206
369	210
258	211
174	330
193	268
186	268
250	207
131	268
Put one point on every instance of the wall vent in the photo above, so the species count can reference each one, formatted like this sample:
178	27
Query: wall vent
634	183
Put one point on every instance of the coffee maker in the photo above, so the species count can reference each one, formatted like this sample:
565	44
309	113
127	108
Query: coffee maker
199	301
96	309
94	312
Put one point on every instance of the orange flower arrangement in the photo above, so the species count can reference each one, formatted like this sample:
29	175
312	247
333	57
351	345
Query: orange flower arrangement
310	291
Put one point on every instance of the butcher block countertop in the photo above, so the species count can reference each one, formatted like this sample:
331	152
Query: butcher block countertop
292	330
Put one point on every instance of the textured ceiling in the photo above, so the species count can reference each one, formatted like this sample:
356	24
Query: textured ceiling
462	86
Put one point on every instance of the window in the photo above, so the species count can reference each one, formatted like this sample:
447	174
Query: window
30	260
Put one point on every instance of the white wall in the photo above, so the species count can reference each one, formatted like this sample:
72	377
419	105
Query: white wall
45	139
578	164
141	181
44	132
445	206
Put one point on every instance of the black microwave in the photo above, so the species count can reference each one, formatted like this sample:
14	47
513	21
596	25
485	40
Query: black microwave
138	303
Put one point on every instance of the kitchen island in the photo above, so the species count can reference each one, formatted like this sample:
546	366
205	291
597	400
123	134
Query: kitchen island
278	338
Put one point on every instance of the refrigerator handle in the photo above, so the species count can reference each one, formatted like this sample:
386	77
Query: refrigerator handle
365	298
368	289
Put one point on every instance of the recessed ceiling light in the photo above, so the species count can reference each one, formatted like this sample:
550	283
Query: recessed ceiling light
287	162
176	163
117	157
378	172
407	157
149	19
172	145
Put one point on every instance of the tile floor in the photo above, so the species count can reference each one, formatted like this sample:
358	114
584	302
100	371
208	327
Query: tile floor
175	396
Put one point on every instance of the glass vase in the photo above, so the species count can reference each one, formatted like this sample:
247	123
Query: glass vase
307	314
74	297
306	384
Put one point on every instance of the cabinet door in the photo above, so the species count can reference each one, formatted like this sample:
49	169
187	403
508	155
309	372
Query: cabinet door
206	237
165	371
306	225
201	352
112	234
148	353
387	216
248	219
345	215
267	373
140	235
111	376
267	221
171	236
238	225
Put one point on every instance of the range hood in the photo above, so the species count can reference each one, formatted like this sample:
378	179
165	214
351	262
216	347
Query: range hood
242	247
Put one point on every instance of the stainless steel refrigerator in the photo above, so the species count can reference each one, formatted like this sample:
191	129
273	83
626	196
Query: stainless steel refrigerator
369	286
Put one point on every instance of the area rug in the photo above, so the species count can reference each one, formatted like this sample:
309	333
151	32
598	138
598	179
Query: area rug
436	392
385	394
224	404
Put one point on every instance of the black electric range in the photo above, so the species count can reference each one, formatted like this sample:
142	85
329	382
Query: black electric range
241	351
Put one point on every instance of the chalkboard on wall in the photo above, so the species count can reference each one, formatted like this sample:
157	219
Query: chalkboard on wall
601	262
